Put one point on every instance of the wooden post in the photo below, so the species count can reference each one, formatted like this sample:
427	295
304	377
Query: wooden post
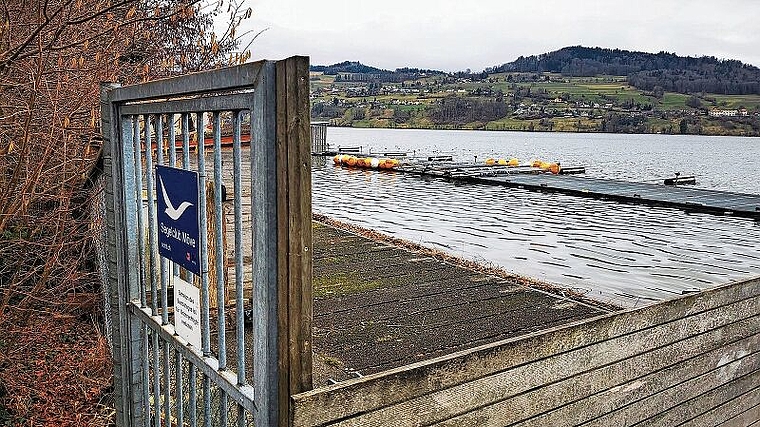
212	249
281	215
294	236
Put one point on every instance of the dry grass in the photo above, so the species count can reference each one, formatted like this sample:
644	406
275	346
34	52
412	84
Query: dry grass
54	370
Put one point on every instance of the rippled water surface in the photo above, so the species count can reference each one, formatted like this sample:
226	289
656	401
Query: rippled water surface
616	252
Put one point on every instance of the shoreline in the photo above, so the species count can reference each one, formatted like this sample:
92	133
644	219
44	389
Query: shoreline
466	129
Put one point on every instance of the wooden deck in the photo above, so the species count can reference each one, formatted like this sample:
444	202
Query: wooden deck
696	199
378	306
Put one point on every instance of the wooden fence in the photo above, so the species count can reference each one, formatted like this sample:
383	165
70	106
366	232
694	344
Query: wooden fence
693	360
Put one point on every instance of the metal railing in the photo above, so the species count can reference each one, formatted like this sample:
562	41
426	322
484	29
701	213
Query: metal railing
319	138
160	376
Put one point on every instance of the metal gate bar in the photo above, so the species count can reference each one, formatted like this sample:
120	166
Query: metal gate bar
152	386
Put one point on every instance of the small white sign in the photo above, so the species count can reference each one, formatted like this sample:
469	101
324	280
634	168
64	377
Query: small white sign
187	311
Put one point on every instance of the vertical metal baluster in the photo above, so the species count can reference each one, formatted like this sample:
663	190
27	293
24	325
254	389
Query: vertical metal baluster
153	264
146	374
142	258
220	261
164	266
138	195
223	405
156	382
206	401
151	215
203	225
185	141
164	287
172	141
193	404
193	398
239	309
173	163
180	389
167	384
186	165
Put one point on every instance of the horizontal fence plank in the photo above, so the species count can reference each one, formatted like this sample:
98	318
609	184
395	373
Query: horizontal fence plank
713	393
229	102
438	406
631	400
419	380
209	81
728	411
580	398
747	418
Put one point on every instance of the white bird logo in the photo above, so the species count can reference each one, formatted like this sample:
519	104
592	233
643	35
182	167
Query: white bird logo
174	213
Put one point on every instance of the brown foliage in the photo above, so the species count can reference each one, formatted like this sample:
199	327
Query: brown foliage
54	370
53	56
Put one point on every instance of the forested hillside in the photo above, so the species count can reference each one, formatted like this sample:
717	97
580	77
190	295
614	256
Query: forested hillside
645	71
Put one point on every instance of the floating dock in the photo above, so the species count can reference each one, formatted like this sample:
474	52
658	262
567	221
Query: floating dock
693	199
671	193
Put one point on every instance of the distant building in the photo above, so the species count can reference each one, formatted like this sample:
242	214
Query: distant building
358	77
723	113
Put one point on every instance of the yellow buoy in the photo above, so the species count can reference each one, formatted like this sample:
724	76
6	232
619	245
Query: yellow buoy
513	162
490	162
502	162
536	163
393	163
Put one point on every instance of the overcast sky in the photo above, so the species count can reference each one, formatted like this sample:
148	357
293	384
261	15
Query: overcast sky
454	35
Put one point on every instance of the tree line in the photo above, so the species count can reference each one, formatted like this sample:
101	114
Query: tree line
645	70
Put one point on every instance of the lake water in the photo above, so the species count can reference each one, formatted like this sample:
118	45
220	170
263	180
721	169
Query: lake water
625	254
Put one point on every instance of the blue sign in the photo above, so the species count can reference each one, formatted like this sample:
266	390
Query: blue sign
178	236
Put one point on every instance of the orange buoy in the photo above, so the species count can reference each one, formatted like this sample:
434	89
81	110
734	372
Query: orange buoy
536	163
490	162
393	163
351	161
513	162
336	159
554	168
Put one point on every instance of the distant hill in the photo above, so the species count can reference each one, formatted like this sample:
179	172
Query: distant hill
377	74
645	71
347	67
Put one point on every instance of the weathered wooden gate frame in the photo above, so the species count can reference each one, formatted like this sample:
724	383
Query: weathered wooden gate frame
277	96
